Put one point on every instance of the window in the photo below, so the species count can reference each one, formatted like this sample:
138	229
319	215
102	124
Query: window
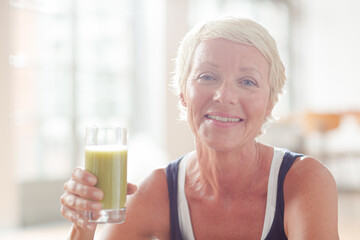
71	65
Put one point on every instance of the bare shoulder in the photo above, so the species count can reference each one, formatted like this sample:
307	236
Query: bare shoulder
147	214
311	201
154	186
310	171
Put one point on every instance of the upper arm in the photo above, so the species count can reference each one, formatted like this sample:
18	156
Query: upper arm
311	201
147	212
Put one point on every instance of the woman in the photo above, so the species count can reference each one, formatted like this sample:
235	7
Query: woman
229	76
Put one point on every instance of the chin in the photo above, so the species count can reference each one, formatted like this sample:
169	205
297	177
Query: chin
221	146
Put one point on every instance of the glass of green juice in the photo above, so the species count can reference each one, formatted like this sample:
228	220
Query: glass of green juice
106	158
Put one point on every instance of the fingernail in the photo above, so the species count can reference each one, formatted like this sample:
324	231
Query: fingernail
70	200
77	173
92	180
96	206
98	195
71	185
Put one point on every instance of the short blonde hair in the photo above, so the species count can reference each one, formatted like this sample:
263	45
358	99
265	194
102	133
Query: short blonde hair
239	30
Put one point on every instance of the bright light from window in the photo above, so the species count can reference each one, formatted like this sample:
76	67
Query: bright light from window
72	65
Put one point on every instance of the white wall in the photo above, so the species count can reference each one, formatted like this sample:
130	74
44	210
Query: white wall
8	186
327	54
179	139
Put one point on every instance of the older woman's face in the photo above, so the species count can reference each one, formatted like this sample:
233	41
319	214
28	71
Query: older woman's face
227	94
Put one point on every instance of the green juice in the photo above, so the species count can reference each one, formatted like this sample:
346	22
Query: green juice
109	165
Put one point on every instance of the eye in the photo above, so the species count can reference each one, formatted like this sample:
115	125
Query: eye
249	83
206	77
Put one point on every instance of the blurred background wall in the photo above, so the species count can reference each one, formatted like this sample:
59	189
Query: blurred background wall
66	64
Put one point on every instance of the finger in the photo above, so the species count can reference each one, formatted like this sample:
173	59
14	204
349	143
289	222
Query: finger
80	204
83	190
131	188
84	176
72	216
77	218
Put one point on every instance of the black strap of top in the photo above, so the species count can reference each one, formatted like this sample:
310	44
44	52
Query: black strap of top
277	231
172	180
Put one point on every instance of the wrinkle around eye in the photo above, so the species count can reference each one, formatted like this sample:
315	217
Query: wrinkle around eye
206	77
249	82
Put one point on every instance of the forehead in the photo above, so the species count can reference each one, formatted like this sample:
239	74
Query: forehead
220	50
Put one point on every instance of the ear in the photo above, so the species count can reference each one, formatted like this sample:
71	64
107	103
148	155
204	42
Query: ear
182	100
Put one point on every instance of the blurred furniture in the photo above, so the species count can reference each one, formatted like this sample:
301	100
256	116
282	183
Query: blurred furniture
322	122
328	128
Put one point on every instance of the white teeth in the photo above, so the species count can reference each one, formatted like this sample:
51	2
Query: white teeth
224	119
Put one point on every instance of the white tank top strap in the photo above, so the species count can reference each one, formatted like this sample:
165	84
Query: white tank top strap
183	207
272	190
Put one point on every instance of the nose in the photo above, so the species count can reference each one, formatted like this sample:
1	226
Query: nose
226	93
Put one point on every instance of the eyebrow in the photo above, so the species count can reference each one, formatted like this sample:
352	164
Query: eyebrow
209	63
243	69
250	69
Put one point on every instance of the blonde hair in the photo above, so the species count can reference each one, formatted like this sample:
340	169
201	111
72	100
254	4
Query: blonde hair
239	30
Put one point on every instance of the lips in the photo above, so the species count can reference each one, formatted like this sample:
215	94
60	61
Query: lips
224	118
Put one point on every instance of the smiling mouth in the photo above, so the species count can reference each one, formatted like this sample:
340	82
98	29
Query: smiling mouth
224	119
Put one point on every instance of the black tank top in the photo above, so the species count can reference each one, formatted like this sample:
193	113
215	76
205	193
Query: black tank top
276	232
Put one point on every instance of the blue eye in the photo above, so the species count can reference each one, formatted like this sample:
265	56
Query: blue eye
248	82
206	77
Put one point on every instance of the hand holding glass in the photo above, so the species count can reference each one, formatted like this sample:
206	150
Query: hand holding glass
106	158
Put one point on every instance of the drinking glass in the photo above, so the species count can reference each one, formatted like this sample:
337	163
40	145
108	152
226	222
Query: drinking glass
106	158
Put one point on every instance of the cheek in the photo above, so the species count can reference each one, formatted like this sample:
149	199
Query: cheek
256	106
196	101
190	104
195	97
193	106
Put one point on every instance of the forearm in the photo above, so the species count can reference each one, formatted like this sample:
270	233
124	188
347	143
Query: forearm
78	233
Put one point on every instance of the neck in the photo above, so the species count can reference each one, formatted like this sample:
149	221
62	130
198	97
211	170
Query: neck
225	174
